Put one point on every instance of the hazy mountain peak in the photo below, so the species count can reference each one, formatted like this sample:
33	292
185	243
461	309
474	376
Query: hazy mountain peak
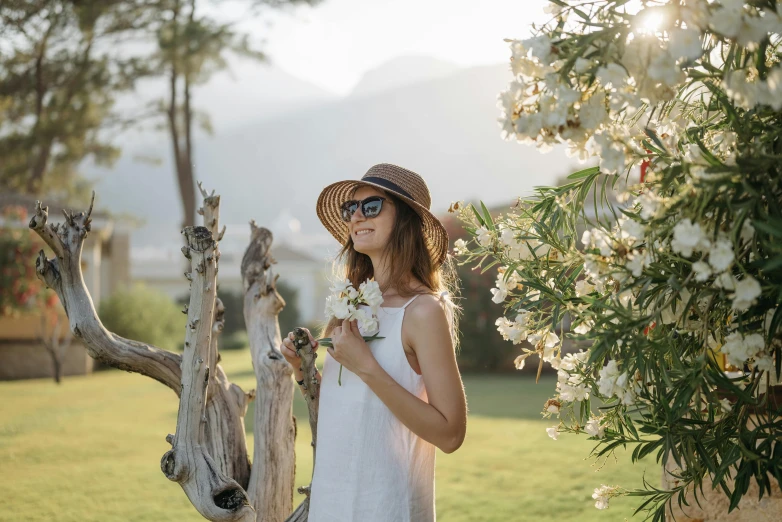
400	71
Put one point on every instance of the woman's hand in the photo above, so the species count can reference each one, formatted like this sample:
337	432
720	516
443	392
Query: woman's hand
289	351
350	349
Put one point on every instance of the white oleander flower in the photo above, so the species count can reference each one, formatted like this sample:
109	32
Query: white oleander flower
636	261
721	255
514	331
664	69
594	428
546	341
611	76
584	328
340	308
598	238
484	236
739	349
367	323
582	65
702	271
744	93
726	19
765	363
650	203
500	293
772	94
685	43
370	293
687	236
593	113
518	362
602	496
340	285
696	14
460	247
517	249
539	47
746	291
583	288
571	387
726	281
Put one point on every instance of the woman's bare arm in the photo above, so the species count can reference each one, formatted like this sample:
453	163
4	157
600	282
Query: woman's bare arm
443	420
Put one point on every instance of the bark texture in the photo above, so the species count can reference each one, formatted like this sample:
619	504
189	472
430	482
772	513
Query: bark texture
215	495
272	478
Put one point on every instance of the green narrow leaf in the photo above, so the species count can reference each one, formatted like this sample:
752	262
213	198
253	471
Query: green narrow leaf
487	216
591	171
490	265
653	136
477	215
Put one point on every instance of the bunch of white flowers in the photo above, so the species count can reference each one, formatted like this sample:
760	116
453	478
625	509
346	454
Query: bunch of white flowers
344	303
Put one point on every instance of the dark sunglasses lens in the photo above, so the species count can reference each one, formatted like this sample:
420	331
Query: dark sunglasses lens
371	207
348	209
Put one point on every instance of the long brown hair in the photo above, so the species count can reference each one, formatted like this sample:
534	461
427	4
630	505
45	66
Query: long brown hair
411	260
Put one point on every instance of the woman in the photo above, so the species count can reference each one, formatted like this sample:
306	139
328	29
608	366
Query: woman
401	396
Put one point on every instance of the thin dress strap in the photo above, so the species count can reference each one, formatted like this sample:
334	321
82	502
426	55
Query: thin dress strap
410	301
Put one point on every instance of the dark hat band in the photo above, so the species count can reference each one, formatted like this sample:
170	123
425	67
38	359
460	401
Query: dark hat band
387	184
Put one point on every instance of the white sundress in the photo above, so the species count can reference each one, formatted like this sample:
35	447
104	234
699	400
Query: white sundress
369	467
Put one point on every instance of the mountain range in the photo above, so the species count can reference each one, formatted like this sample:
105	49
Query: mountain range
273	156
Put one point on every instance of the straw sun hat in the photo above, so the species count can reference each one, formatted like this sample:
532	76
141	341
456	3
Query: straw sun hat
405	184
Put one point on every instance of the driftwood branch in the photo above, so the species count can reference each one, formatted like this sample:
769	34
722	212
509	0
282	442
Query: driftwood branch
272	477
312	397
63	274
215	495
226	406
208	457
226	402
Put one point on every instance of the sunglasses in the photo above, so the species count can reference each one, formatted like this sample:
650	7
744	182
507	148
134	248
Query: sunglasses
370	207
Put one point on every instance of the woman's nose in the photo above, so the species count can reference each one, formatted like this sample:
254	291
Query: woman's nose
357	215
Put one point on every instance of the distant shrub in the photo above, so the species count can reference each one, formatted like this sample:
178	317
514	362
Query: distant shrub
237	340
144	314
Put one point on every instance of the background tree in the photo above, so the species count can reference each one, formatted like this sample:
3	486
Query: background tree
63	62
59	75
193	44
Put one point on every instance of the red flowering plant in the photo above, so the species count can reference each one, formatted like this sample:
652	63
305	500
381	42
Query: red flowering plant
20	289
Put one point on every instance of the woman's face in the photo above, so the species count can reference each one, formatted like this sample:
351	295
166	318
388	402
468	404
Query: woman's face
371	235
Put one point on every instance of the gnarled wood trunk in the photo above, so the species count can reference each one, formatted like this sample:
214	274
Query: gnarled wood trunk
208	457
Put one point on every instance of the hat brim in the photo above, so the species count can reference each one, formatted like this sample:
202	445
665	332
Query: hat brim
329	213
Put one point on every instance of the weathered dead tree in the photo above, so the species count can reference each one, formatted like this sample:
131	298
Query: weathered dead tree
208	455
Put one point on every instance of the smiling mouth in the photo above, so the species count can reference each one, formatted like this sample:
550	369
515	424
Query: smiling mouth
363	232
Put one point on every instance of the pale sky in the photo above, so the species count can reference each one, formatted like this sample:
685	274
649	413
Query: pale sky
333	44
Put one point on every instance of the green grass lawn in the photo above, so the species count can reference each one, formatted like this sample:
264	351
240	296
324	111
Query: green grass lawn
89	450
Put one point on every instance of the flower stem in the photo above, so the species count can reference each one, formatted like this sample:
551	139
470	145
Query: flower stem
326	341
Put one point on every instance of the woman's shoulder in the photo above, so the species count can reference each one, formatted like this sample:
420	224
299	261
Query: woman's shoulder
428	305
